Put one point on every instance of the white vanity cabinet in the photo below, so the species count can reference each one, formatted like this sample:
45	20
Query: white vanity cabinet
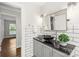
37	49
47	51
42	50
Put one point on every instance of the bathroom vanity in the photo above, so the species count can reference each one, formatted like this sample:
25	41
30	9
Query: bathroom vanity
44	46
45	49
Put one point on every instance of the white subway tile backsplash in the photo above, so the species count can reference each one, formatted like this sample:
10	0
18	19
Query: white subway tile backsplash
30	32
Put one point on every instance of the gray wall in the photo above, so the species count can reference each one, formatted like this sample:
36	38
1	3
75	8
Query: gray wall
6	27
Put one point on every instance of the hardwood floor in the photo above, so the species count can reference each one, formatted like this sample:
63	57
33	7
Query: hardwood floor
18	51
8	48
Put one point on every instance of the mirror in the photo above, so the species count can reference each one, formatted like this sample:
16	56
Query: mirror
60	22
56	21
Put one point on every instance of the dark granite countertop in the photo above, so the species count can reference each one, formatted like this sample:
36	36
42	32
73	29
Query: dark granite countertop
69	47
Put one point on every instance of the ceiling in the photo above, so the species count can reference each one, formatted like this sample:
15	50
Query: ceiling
20	4
44	6
52	7
41	4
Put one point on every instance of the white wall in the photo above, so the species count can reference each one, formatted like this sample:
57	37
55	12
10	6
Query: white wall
18	31
30	17
73	16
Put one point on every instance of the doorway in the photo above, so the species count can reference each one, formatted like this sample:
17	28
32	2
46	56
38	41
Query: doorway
10	32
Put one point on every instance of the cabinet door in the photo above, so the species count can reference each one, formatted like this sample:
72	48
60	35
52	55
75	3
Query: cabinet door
37	49
47	51
35	52
56	54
